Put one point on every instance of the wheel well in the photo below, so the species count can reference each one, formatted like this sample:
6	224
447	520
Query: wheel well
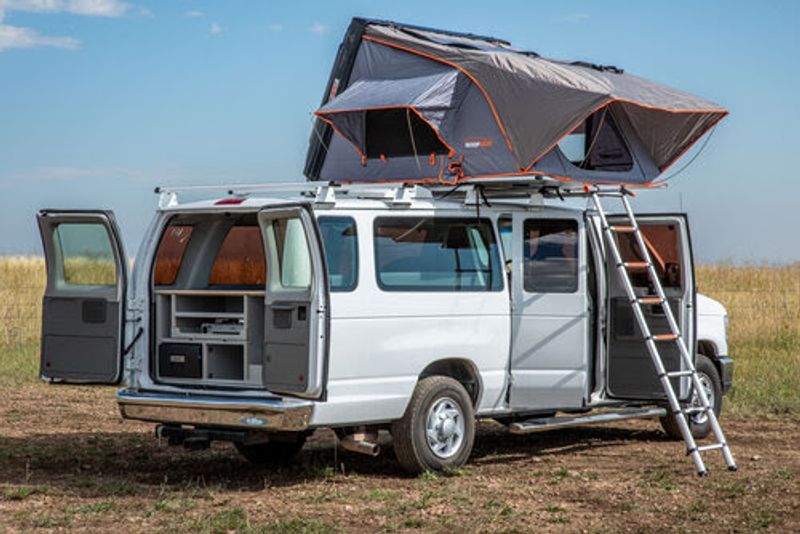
464	371
707	348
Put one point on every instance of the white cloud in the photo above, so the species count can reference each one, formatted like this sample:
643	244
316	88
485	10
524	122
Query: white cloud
16	37
91	8
275	28
577	18
215	29
194	14
318	28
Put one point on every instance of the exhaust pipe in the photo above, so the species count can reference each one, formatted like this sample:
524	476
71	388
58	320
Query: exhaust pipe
361	443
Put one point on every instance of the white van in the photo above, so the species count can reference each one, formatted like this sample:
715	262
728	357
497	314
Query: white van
411	309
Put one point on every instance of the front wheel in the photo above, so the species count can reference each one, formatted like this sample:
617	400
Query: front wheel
699	422
438	428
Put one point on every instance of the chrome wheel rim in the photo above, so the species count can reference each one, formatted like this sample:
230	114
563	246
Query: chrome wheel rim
708	388
444	428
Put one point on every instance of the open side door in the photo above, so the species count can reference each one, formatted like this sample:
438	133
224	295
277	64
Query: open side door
630	371
83	309
296	315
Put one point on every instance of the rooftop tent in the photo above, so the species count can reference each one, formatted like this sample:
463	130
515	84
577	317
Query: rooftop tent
411	104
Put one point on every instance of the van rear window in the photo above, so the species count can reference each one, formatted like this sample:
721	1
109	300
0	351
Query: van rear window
170	254
240	260
436	254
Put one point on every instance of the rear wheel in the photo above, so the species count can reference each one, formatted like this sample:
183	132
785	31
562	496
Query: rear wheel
712	386
438	428
278	450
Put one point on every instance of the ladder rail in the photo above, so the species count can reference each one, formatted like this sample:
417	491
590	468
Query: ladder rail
674	403
675	329
650	340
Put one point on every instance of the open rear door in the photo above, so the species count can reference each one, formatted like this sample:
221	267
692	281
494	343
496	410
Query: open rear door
84	302
296	303
631	374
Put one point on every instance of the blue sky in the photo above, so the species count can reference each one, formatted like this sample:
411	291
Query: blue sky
102	100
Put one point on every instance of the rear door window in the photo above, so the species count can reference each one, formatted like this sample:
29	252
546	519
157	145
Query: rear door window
436	254
86	253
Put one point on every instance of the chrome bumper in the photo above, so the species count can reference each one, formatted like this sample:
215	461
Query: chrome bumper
208	410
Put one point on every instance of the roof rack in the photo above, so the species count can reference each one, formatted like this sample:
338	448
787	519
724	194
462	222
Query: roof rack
471	191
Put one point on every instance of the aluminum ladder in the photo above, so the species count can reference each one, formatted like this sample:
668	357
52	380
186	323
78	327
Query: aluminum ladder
652	340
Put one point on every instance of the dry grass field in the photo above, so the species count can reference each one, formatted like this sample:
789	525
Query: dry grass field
67	461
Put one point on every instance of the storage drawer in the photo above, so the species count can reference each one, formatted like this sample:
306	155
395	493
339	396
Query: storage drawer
180	360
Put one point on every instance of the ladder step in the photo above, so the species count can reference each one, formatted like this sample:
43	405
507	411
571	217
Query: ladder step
650	300
665	337
676	374
636	264
623	229
713	446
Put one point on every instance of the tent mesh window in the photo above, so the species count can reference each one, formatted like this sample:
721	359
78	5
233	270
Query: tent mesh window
597	145
387	134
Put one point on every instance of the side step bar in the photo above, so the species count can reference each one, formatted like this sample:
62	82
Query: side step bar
552	423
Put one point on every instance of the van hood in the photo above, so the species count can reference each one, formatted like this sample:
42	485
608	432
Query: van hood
708	306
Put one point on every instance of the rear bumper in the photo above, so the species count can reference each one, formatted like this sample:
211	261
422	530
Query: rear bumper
725	366
215	411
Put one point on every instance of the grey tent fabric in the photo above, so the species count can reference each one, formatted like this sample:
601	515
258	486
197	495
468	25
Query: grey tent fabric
503	111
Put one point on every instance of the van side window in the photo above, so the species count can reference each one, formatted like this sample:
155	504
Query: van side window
504	227
341	251
436	254
170	253
550	255
240	260
663	245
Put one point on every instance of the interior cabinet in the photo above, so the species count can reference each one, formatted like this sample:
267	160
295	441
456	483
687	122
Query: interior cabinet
209	336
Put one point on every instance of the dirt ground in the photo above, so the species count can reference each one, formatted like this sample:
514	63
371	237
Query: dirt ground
67	461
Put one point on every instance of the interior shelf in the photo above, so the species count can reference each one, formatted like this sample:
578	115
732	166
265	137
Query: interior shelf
213	292
214	315
209	336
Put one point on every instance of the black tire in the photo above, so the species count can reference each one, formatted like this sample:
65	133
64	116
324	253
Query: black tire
280	449
411	444
699	423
